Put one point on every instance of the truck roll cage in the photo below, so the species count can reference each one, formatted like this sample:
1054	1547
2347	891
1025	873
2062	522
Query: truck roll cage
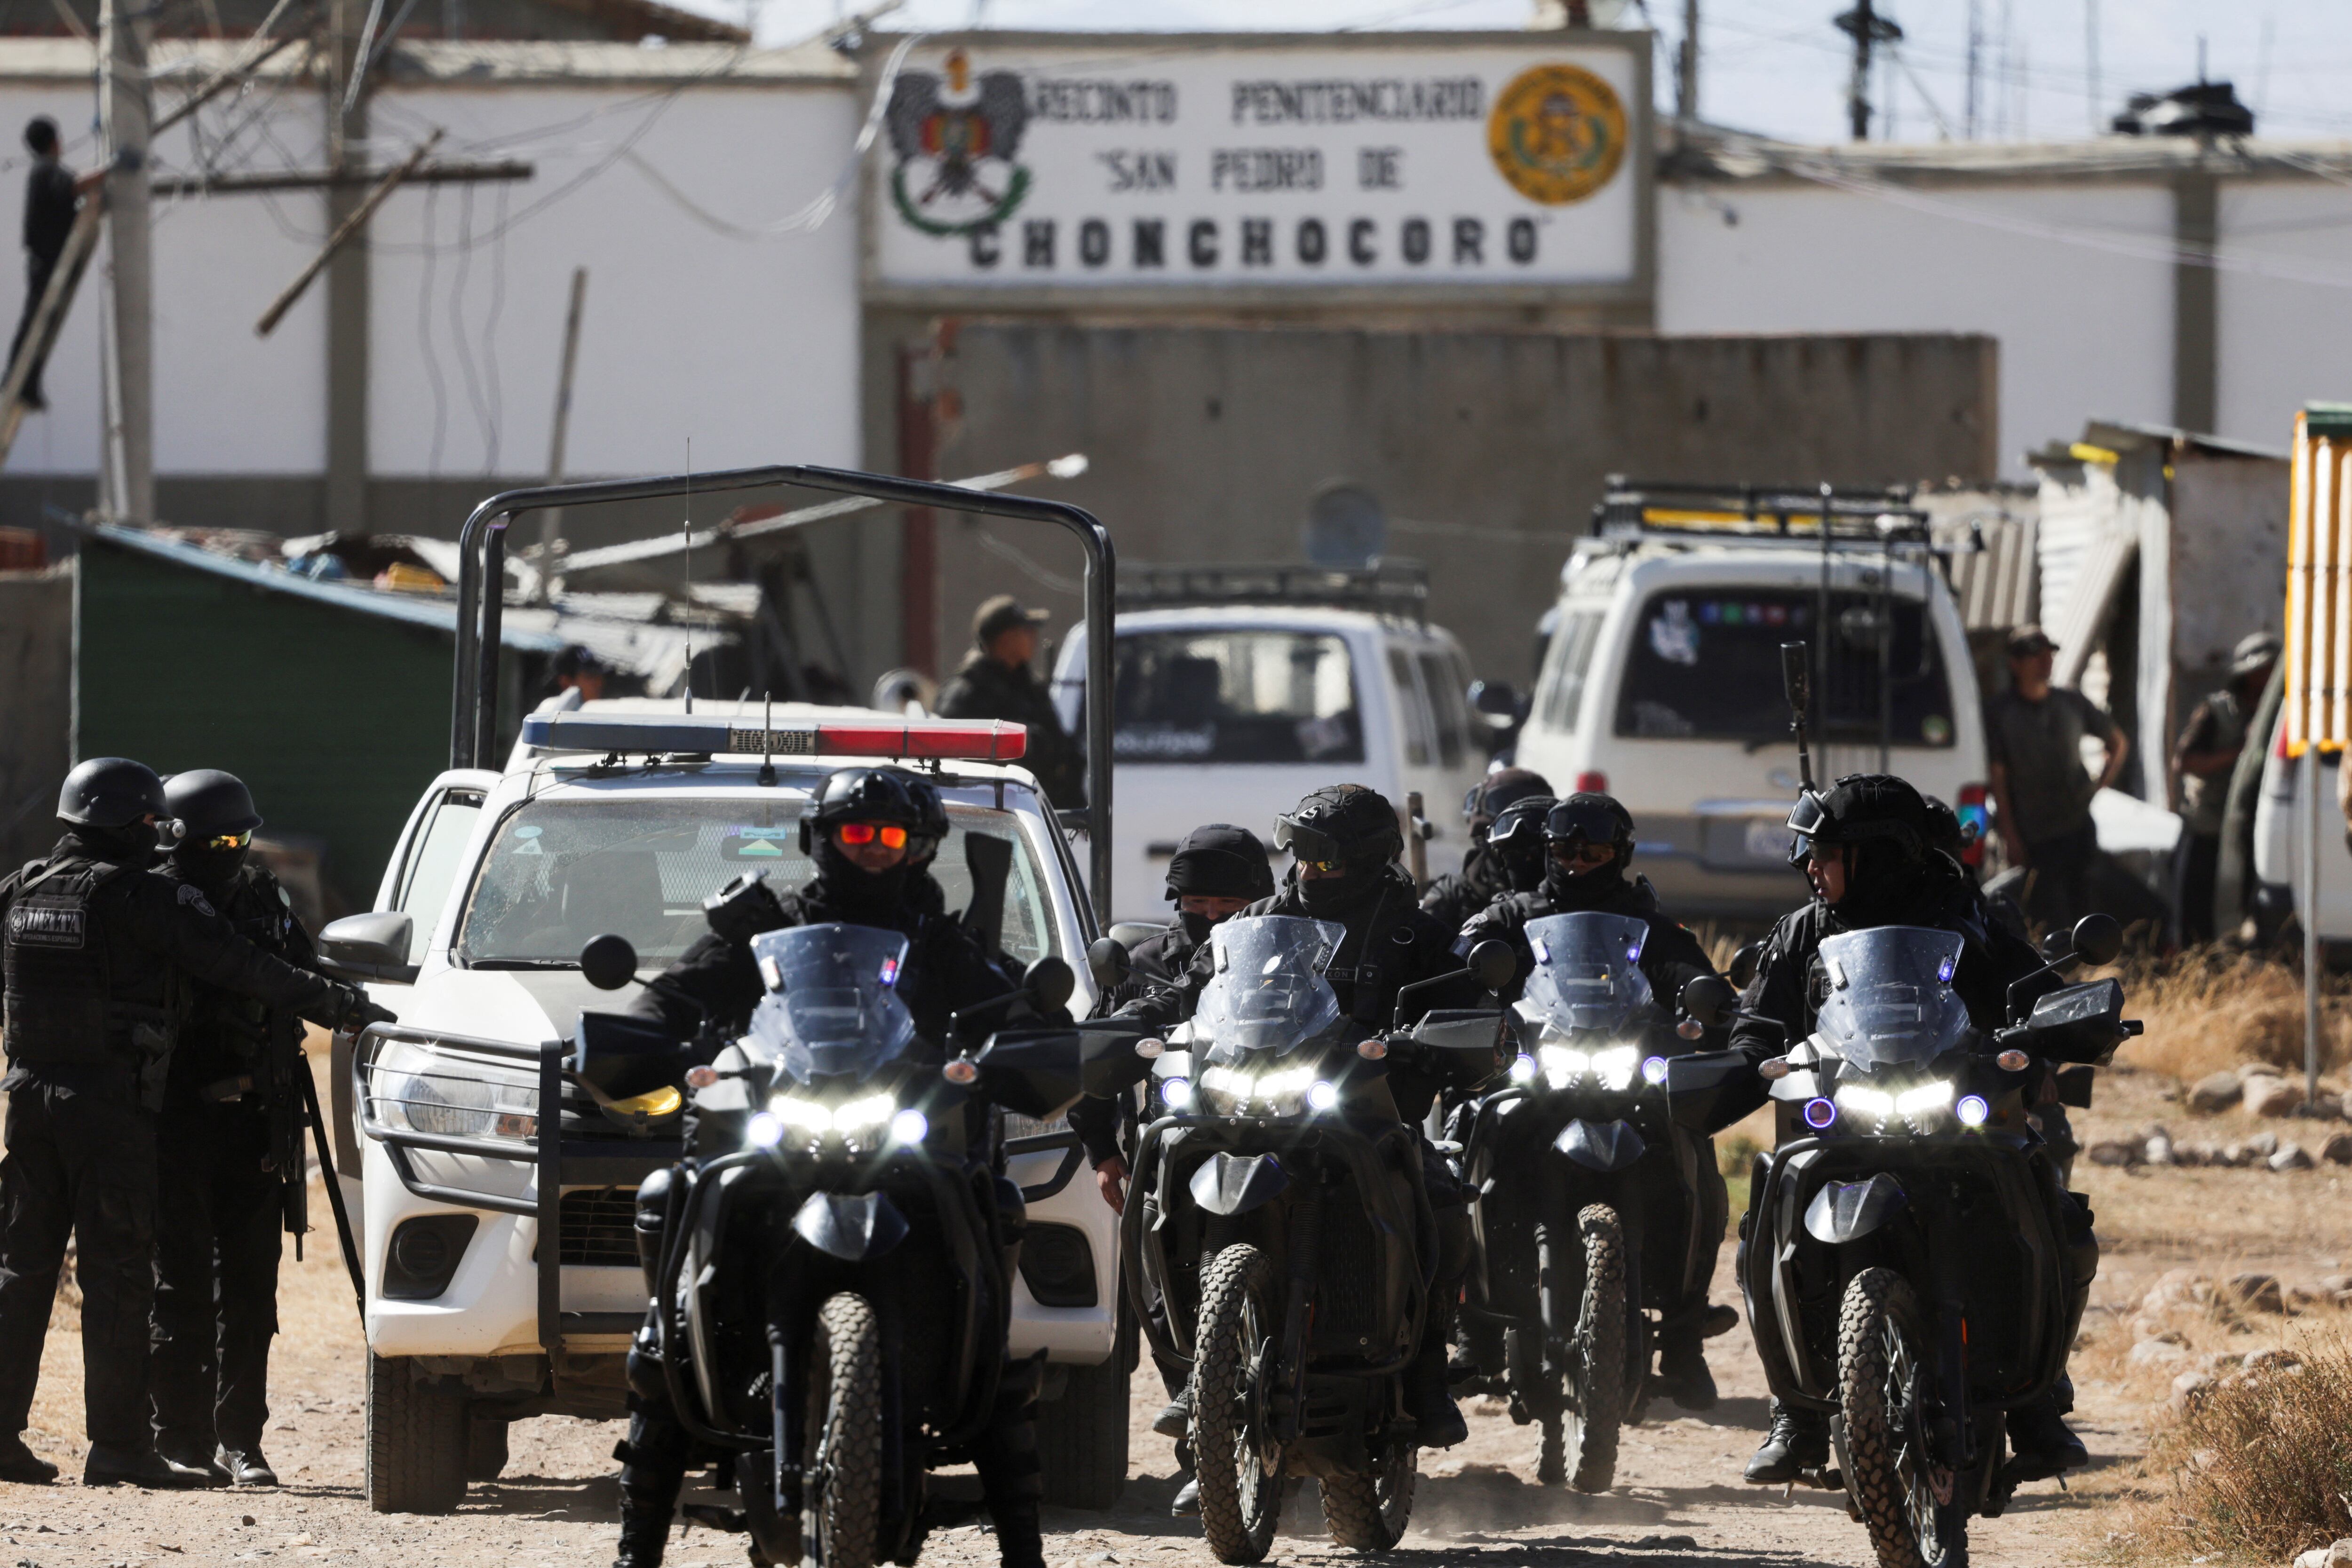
481	545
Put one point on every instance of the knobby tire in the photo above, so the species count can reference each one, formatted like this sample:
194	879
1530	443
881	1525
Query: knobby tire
1240	1502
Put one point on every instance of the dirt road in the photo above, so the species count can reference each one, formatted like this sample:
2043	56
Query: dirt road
1678	1503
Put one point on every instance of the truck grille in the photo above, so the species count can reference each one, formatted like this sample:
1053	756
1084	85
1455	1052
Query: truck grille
599	1227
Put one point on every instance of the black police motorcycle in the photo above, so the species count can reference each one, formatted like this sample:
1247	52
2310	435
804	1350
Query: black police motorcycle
1587	1197
1909	1277
1284	1219
830	1266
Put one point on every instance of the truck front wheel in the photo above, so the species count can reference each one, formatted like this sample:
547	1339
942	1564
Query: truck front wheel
416	1441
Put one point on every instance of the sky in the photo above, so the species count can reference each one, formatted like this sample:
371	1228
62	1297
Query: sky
1777	66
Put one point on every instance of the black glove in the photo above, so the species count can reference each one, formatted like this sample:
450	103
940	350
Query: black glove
359	1012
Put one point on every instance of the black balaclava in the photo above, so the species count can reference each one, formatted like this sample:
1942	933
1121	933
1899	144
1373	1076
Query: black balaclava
1217	860
211	869
135	845
1882	882
1568	893
1348	895
862	895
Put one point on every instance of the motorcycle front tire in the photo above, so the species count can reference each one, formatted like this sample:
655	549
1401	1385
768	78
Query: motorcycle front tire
1241	1497
1884	1355
840	1488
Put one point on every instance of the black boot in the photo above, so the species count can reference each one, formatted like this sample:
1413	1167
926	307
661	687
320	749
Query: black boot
644	1533
1175	1418
1186	1503
2042	1443
1683	1376
1020	1543
1799	1441
114	1464
21	1465
1429	1401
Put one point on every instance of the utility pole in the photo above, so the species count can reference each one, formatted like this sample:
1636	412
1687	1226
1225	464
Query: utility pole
550	535
347	277
1971	119
1868	30
1687	68
127	485
2090	62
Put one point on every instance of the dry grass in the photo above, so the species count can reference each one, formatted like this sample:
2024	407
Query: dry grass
2213	1008
2259	1468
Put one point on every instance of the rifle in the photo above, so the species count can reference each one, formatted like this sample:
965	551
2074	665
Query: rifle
1796	679
285	1062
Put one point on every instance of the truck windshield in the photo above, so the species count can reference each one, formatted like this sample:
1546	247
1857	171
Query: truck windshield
560	872
1234	696
1705	665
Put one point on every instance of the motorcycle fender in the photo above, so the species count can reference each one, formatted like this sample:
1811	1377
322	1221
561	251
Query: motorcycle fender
850	1228
1848	1211
1604	1147
1236	1183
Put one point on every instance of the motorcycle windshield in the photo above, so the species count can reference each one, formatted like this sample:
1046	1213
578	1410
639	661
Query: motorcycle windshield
833	1007
1888	997
1587	975
1268	992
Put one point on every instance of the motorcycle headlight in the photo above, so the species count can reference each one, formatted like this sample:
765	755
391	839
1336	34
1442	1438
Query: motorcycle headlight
1863	1101
1616	1066
810	1122
1914	1105
1230	1091
1563	1065
1926	1100
424	1087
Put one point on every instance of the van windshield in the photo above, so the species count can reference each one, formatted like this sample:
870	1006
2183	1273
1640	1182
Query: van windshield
1234	696
560	872
1705	665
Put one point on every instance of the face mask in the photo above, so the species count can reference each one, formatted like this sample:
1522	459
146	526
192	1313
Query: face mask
1589	890
1196	926
870	893
211	868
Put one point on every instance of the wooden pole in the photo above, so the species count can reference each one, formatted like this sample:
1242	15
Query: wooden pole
63	279
550	535
123	120
351	225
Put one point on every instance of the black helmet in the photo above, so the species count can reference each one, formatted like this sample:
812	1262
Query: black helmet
1220	861
1516	841
209	803
883	795
1346	824
1490	796
1593	818
111	793
1859	807
1943	829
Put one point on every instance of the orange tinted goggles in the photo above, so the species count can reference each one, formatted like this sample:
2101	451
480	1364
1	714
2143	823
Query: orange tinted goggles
858	834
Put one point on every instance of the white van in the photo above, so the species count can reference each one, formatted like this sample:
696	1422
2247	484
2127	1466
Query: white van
1662	683
2282	819
456	1188
1240	689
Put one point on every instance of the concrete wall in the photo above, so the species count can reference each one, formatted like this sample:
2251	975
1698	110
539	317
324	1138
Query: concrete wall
1487	449
37	614
2084	331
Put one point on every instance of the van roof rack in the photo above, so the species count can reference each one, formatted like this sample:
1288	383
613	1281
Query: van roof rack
1394	586
1855	516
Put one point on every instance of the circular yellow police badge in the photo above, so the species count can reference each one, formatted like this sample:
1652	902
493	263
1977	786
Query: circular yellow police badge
1558	133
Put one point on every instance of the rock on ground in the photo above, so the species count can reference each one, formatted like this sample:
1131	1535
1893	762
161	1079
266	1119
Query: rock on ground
2215	1092
2336	1556
2290	1157
2274	1097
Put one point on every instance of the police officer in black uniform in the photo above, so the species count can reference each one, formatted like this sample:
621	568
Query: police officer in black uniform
1516	856
97	949
873	833
1867	846
230	1143
1457	895
1345	839
1589	840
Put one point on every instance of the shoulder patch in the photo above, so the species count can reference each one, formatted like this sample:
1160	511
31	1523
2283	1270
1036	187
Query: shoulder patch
194	896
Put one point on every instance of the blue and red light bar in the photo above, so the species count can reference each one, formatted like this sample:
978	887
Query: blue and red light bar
912	740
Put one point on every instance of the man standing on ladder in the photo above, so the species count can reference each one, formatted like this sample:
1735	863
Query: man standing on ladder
53	194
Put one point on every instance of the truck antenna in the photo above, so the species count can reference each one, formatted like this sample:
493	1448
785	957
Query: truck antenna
686	559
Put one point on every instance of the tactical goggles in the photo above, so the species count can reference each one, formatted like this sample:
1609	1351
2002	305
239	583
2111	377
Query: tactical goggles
857	835
1808	820
235	840
1311	847
1587	819
1583	851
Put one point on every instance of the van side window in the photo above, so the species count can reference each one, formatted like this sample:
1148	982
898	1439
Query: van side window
1448	706
1234	696
1559	693
432	865
1412	711
1703	663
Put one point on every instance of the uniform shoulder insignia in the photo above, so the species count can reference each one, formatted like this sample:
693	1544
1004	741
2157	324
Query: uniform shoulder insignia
194	896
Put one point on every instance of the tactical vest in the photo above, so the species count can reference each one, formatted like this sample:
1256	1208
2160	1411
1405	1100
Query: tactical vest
66	969
226	1032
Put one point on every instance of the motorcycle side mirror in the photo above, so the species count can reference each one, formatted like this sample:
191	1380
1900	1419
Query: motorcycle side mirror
2098	939
1494	964
1744	965
1049	983
1109	961
608	962
1710	1000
